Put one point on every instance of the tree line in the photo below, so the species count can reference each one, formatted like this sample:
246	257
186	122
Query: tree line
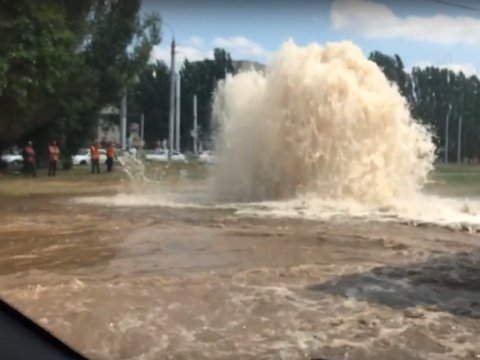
150	96
433	95
437	96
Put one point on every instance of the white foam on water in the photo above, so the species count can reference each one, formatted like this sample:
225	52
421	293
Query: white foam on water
140	200
419	209
455	213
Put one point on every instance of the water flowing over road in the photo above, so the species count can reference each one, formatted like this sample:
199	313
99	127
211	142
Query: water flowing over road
186	282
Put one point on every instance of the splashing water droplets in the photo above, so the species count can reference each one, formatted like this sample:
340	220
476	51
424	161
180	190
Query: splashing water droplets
320	120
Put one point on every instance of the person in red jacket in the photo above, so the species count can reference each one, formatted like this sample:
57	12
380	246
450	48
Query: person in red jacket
53	154
95	157
111	152
30	160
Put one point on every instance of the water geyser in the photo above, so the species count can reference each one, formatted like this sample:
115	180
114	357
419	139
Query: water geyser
322	121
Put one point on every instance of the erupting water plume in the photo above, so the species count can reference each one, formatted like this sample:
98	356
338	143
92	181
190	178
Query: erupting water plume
319	120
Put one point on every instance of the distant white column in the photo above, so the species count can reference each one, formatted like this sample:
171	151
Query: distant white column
195	126
123	120
142	129
172	98
177	115
447	122
459	144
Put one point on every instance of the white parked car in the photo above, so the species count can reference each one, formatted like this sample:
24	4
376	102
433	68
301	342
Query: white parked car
157	156
83	157
165	156
12	159
207	157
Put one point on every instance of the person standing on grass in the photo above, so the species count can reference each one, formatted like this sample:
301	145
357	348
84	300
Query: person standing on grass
111	151
30	158
95	157
53	154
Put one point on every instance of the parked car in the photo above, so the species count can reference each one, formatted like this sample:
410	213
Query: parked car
83	157
12	159
165	156
207	157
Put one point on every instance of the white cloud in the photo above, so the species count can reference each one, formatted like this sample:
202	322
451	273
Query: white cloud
195	48
466	68
375	20
196	41
242	47
191	52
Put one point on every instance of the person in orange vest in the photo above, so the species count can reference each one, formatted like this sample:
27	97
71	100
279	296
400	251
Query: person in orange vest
95	157
53	154
30	160
111	151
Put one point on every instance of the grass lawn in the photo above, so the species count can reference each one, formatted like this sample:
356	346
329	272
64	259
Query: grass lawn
79	180
75	181
448	180
455	180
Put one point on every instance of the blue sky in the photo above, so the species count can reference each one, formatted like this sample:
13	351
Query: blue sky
422	32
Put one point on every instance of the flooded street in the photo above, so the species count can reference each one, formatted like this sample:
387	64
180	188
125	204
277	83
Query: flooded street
200	181
158	282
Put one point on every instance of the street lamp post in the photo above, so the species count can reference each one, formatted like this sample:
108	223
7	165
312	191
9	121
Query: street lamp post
142	129
195	126
171	123
177	114
123	119
459	141
447	122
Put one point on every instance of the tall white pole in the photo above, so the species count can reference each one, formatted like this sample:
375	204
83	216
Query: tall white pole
177	116
172	98
459	144
142	128
123	120
446	134
195	126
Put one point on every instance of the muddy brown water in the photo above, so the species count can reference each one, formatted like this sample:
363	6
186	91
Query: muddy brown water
173	283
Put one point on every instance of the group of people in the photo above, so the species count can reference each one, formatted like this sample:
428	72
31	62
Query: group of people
30	158
95	156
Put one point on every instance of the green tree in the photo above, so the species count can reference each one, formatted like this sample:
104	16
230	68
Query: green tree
394	70
37	51
62	61
435	94
151	96
471	122
200	78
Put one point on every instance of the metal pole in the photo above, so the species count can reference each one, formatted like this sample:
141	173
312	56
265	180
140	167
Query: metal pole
142	127
177	117
446	134
172	98
195	129
123	120
459	148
